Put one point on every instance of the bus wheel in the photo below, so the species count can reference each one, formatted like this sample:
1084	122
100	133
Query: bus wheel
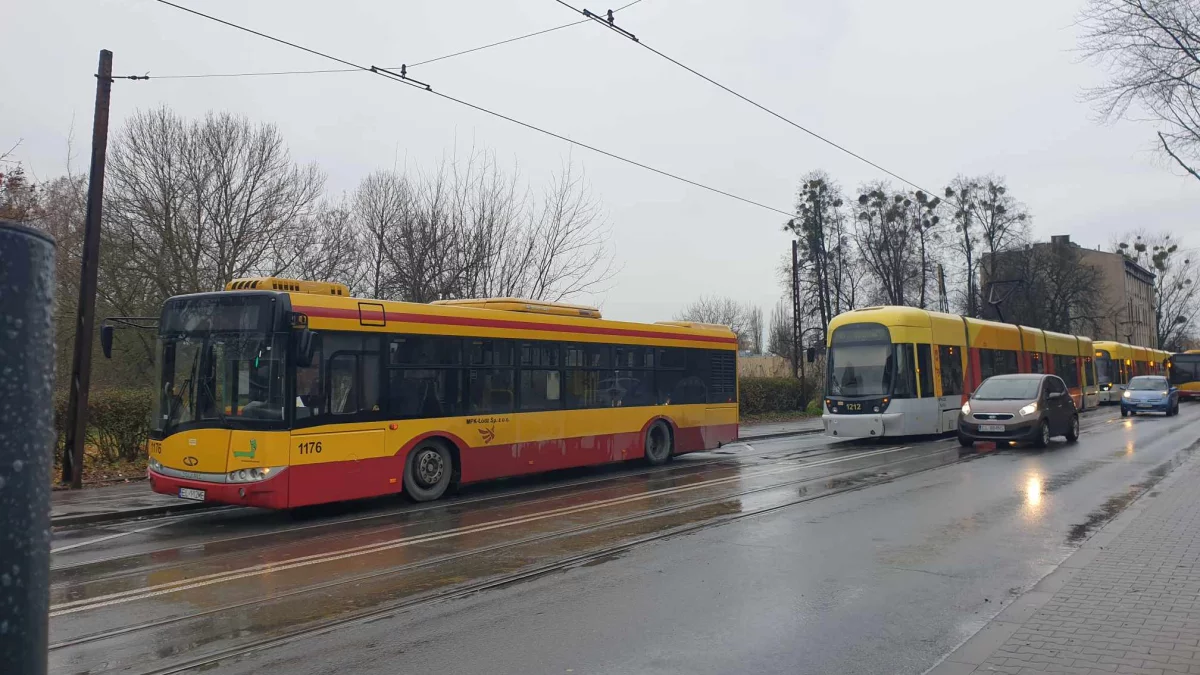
658	443
428	471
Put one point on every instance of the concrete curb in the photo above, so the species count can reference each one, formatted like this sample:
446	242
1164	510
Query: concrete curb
968	656
143	512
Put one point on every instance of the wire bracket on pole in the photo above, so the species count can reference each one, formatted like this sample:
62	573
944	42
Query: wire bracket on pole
607	21
401	76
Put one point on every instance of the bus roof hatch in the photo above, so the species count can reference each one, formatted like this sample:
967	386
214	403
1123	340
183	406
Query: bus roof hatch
528	306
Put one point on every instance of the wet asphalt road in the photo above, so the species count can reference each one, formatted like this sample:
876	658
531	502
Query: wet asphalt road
786	555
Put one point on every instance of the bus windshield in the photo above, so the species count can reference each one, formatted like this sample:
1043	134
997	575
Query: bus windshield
218	366
860	370
1185	368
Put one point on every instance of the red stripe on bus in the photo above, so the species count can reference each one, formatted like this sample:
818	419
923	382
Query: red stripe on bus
336	313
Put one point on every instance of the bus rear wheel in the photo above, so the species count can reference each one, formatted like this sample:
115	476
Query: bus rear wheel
658	444
428	471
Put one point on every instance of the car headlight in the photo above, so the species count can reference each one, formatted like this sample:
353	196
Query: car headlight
1125	395
253	474
1028	410
966	408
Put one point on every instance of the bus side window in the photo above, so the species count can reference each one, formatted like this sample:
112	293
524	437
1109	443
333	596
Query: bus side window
925	370
952	371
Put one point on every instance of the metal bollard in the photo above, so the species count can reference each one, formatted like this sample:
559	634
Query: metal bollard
26	445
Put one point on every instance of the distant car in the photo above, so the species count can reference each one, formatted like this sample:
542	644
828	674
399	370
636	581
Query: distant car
1027	408
1149	393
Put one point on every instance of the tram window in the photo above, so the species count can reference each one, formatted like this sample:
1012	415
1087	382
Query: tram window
925	370
952	370
1035	363
905	382
1067	367
1089	374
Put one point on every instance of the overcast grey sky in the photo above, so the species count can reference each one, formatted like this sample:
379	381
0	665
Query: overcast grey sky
929	89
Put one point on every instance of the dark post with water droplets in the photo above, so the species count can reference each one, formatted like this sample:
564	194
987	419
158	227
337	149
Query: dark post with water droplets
26	444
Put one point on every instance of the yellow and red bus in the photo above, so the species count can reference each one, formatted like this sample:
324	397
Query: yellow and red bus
1183	369
903	371
280	393
1116	362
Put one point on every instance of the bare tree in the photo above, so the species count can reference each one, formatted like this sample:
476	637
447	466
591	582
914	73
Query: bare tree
989	221
1176	296
886	242
329	247
1152	50
196	204
756	330
1057	290
721	311
780	339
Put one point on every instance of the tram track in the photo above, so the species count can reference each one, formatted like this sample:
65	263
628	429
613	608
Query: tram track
531	573
679	469
570	531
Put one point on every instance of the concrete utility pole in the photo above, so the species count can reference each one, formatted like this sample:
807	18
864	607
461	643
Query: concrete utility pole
81	365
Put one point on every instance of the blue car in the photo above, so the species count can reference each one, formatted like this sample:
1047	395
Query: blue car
1149	393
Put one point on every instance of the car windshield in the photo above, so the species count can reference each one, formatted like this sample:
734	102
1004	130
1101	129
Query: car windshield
1008	389
1148	384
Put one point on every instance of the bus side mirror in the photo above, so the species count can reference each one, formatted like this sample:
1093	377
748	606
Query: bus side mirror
304	348
810	354
106	338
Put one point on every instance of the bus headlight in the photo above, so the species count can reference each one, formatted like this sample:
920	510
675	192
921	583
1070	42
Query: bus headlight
966	408
253	474
155	465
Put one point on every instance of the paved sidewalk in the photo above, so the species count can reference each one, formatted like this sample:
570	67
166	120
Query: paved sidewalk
114	502
811	425
1128	601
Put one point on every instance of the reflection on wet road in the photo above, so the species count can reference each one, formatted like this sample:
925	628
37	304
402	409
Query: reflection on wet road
793	533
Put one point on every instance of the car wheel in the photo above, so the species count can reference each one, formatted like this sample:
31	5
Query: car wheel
1043	437
965	442
428	471
658	443
1124	412
1073	429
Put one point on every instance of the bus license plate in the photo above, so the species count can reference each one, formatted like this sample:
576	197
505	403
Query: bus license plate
189	493
992	427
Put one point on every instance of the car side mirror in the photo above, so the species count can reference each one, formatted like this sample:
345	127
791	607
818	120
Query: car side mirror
1054	395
